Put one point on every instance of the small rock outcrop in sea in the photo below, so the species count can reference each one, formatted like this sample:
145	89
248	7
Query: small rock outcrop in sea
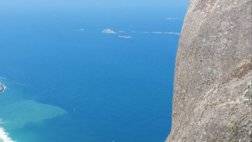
2	87
213	83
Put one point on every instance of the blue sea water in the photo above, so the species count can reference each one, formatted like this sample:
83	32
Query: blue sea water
113	87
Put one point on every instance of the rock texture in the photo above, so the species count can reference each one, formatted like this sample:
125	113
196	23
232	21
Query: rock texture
213	83
2	88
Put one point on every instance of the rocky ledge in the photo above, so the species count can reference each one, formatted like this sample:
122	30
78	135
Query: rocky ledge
213	83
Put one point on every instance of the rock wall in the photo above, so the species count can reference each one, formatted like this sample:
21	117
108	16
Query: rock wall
213	83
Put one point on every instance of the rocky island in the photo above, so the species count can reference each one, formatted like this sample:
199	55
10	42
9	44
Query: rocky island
213	82
2	88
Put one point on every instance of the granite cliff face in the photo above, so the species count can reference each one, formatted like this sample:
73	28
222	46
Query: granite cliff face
213	83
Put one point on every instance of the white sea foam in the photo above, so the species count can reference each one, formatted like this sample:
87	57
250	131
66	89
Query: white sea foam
171	19
82	29
4	136
157	32
108	31
161	33
125	36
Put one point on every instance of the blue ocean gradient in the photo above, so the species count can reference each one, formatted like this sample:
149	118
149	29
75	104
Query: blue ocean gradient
114	87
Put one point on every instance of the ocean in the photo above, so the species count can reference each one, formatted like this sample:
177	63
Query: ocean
75	75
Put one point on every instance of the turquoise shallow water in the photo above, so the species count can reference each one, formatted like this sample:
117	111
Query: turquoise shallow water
68	80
